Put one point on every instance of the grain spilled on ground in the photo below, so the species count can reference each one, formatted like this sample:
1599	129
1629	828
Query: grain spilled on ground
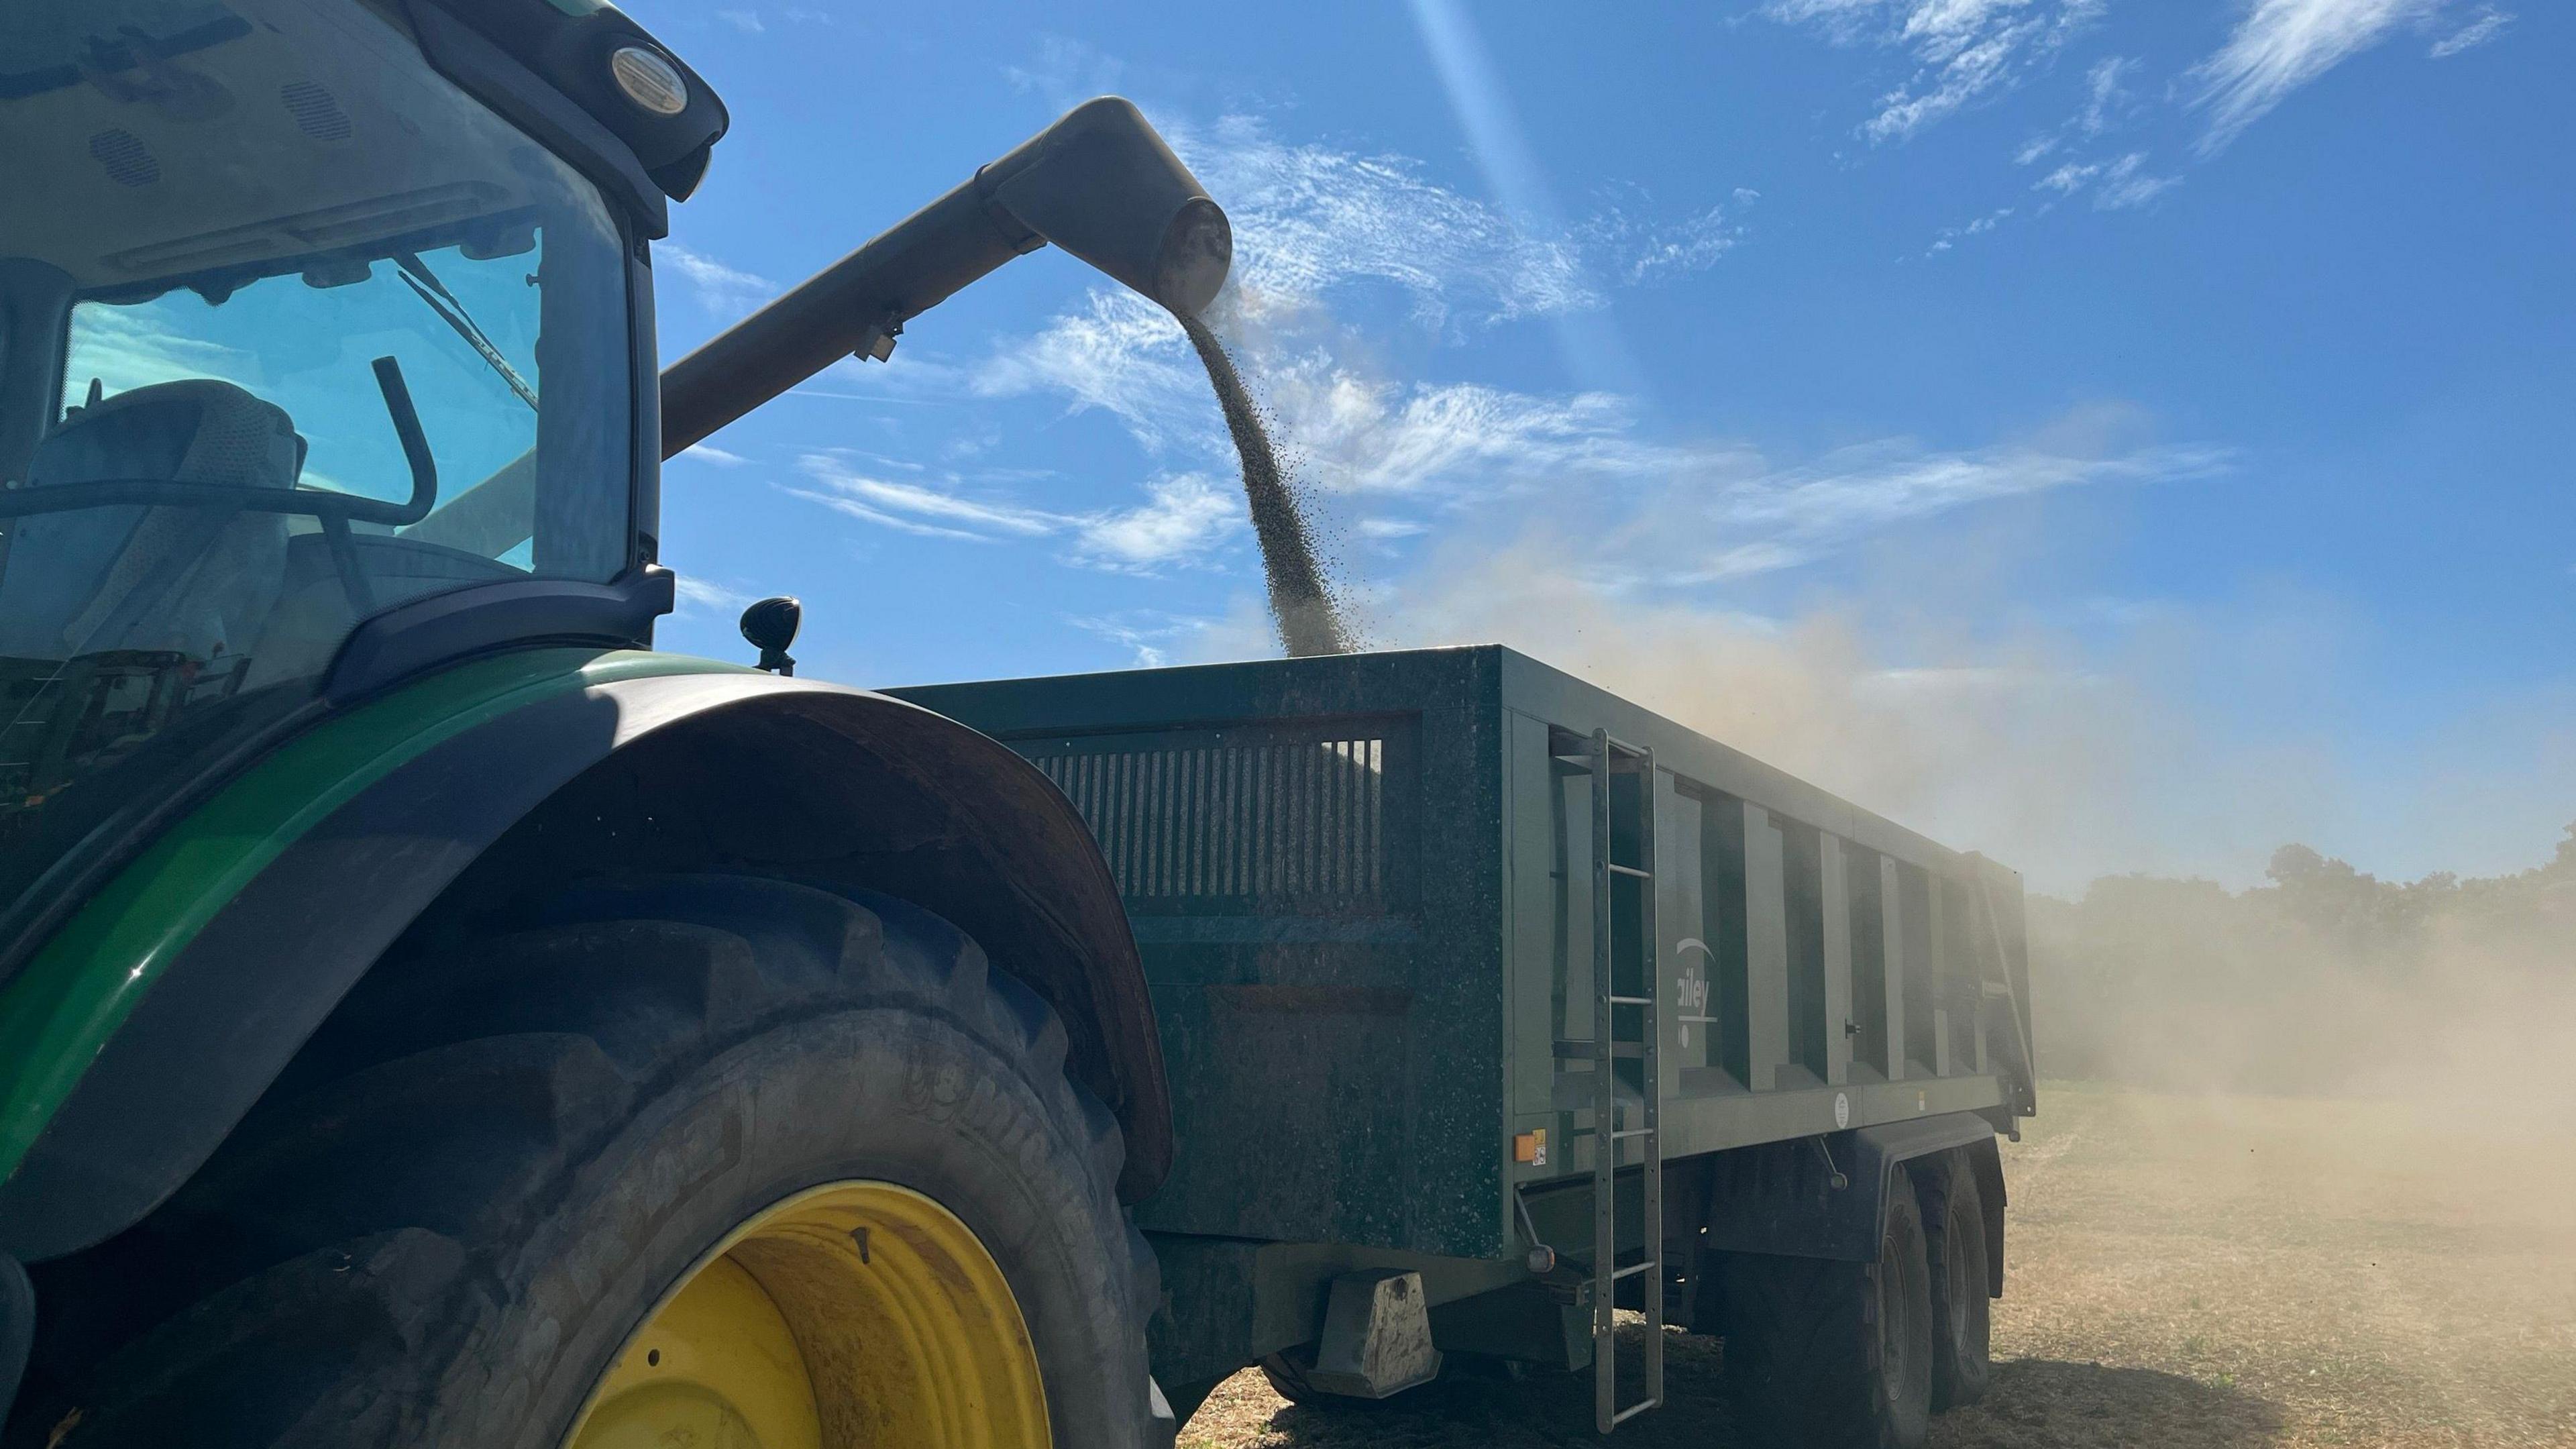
2186	1273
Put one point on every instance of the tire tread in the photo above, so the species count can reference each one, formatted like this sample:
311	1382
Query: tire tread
449	1103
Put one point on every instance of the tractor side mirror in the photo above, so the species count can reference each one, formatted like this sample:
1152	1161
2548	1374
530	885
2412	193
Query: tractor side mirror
770	626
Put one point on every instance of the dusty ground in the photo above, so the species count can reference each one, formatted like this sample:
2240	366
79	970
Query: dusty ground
2192	1273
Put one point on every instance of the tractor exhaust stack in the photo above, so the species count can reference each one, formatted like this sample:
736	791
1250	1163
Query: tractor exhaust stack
1099	183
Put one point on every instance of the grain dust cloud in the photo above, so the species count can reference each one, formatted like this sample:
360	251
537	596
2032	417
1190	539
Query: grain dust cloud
2191	928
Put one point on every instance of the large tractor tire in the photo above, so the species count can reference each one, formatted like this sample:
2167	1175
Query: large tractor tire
1962	1307
1822	1354
715	1160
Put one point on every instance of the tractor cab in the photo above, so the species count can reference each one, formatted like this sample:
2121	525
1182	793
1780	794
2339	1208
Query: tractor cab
331	308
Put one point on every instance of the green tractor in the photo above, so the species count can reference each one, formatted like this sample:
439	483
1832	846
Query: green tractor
428	1016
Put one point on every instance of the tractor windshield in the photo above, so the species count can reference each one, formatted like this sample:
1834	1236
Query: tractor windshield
292	331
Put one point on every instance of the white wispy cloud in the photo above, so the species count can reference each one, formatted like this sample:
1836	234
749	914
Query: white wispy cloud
1472	449
845	504
2120	184
1721	518
702	595
1963	49
1674	520
746	21
1311	218
2282	45
1183	519
1066	72
1956	80
2126	184
2489	23
912	500
710	453
2103	94
1860	489
1636	247
1466	450
1952	235
2106	102
130	347
2066	180
1315	223
1117	352
1363	435
1392	528
719	288
1152	635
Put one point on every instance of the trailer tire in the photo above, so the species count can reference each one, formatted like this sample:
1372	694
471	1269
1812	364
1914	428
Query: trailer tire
1962	1309
498	1160
1287	1379
1287	1373
1825	1354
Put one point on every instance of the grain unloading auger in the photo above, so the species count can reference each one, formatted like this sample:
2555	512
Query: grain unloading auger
1099	183
428	1016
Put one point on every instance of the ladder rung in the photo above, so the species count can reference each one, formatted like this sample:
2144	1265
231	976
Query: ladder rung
1583	1051
1633	1410
1621	753
1630	870
1632	1270
1632	1001
1615	1136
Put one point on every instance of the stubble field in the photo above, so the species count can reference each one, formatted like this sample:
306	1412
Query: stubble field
2184	1273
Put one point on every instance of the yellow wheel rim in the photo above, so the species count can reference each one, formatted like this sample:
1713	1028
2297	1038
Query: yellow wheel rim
853	1314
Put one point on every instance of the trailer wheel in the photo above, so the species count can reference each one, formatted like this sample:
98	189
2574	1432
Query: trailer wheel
1833	1355
716	1160
1962	1310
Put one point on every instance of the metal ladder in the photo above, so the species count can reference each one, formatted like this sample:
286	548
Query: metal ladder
1609	757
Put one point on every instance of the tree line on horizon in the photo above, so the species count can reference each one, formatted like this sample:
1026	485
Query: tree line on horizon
2324	978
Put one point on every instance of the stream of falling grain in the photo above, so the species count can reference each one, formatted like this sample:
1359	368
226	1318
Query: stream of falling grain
1308	621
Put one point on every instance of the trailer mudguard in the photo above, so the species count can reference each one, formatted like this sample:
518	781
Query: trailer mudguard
147	1026
1779	1198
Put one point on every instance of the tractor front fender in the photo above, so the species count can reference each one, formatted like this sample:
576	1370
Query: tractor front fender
169	1003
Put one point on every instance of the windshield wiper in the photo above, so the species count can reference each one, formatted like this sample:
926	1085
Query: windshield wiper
433	293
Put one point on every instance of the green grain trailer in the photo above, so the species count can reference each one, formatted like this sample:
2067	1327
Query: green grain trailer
1475	978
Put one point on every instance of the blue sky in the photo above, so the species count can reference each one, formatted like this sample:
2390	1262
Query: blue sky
2115	435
